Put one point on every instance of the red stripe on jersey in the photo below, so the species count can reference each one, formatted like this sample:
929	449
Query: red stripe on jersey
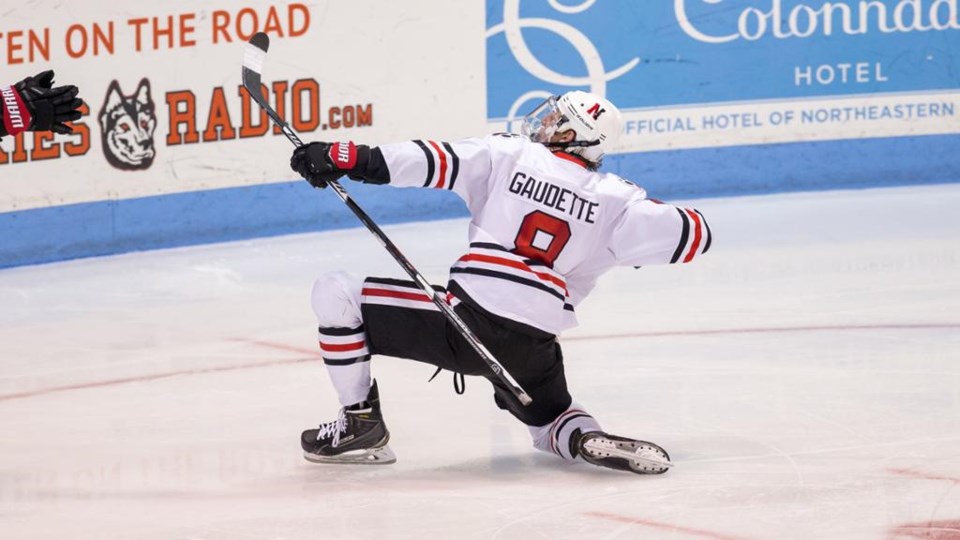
443	164
696	236
514	264
571	158
341	347
420	297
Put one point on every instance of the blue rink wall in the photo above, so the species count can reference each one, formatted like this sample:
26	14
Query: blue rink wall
108	227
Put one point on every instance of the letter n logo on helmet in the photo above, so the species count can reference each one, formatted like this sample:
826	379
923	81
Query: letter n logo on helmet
596	111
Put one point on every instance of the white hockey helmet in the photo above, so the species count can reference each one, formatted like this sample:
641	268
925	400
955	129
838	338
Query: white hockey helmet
595	121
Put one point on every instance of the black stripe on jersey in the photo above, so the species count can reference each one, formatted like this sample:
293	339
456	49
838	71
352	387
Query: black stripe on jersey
488	245
498	247
709	234
346	361
391	281
568	307
455	165
683	236
508	277
400	283
430	165
330	331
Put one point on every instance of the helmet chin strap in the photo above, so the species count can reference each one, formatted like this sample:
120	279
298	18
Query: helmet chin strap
577	144
554	146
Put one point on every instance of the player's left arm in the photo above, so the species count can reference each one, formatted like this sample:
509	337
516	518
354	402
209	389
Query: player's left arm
650	232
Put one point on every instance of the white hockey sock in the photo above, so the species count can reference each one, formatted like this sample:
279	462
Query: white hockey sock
351	381
555	436
343	342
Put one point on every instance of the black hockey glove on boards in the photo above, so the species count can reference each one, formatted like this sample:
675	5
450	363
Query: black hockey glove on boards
33	104
322	162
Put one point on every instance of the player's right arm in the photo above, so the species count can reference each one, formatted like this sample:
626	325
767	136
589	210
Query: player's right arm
650	232
462	167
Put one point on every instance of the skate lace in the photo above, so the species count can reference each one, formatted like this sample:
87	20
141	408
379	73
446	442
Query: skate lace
334	428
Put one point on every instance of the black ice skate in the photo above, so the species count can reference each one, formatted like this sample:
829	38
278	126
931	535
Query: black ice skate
623	454
358	435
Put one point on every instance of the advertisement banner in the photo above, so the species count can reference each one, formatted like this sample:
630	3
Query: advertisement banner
708	73
165	111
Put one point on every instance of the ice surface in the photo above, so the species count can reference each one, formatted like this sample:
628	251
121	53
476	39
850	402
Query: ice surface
804	375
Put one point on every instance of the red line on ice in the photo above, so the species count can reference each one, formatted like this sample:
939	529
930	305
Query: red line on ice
314	356
769	330
660	525
931	530
278	346
154	377
922	475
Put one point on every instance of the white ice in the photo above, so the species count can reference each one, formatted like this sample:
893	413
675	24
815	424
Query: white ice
804	375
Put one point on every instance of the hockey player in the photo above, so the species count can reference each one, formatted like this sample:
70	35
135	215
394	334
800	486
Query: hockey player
544	226
33	104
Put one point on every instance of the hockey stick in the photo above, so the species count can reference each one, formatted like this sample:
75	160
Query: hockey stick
253	56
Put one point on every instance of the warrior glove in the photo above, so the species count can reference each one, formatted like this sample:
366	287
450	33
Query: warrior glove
33	104
322	162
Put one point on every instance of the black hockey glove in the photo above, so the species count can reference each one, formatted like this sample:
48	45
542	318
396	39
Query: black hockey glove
323	162
34	105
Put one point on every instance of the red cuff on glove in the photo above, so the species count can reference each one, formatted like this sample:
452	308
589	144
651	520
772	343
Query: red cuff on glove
344	155
16	117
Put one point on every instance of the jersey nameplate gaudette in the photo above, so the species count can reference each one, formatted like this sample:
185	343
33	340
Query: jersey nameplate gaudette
550	195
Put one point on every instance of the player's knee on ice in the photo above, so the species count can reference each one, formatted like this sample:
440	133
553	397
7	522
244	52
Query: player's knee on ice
336	300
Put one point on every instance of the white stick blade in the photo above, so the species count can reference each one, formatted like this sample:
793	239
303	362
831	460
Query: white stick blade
256	52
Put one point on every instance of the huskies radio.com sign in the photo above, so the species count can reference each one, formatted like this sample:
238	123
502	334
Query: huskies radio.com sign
168	132
128	122
164	108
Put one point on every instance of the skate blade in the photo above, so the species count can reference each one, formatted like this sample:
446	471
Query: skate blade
643	457
382	455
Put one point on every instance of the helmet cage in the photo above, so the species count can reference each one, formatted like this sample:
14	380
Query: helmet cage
547	119
543	122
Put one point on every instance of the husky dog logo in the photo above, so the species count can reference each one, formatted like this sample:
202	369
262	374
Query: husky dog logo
127	124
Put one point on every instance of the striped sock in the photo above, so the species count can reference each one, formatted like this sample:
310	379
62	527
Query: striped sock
347	359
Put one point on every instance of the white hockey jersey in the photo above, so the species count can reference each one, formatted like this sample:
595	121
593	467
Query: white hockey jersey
543	228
